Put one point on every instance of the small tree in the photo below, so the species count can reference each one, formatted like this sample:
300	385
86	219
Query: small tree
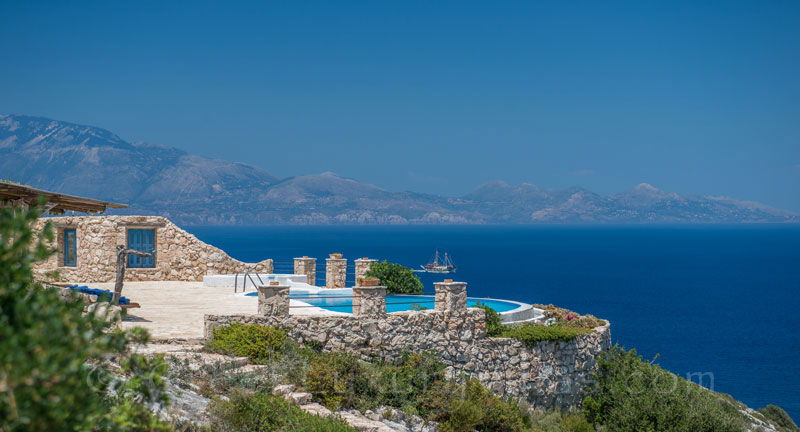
494	324
53	358
397	278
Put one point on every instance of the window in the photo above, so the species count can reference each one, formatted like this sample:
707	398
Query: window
70	248
143	240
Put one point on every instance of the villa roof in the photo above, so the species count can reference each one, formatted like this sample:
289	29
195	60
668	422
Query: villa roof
14	195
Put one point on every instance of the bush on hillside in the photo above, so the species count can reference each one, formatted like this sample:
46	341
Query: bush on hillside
397	278
631	394
557	421
494	324
259	412
531	334
339	380
403	383
777	415
568	318
257	342
471	406
53	371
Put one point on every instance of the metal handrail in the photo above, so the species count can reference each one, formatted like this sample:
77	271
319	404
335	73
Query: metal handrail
244	284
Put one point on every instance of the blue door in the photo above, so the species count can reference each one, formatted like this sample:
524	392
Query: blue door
70	248
143	240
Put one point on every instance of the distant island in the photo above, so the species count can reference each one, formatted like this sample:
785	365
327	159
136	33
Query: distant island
194	190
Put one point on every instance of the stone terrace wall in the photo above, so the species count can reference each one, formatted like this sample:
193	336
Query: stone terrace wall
180	256
551	375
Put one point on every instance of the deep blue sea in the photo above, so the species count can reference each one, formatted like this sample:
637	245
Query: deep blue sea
721	300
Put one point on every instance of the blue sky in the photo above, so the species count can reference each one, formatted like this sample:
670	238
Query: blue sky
693	97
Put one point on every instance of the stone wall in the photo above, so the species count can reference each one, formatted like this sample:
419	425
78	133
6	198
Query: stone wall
551	375
179	255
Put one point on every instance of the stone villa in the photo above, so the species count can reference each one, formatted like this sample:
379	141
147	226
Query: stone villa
178	304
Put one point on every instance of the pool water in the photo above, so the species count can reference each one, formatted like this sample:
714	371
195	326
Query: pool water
394	302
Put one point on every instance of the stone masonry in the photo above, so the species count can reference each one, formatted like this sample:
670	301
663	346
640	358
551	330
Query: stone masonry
450	296
549	375
179	256
308	267
335	272
273	299
369	301
362	266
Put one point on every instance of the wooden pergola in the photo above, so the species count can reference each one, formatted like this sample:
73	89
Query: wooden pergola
19	196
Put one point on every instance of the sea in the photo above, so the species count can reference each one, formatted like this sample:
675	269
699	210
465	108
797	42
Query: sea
717	303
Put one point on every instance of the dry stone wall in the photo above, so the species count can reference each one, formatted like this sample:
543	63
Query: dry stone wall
180	256
551	375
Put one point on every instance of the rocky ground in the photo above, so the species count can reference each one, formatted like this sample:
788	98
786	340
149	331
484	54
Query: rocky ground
189	405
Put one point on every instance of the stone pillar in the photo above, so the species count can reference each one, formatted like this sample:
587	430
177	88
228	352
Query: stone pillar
335	272
273	299
362	267
369	301
451	296
308	267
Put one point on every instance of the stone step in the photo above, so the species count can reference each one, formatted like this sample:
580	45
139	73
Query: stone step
283	389
299	398
363	424
316	409
251	368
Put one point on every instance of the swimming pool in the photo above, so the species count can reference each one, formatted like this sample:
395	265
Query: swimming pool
394	302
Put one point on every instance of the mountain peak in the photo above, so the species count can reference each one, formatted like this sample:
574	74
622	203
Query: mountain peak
646	187
192	189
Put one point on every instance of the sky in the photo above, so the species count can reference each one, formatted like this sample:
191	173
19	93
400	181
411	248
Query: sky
692	97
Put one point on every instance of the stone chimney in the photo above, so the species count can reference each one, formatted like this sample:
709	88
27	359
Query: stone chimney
273	299
308	267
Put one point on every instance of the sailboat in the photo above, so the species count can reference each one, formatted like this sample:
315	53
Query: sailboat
439	264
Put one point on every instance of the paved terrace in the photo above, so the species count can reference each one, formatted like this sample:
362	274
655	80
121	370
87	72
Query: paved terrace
175	310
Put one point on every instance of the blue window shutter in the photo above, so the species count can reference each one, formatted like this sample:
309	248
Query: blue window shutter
70	248
134	243
149	246
143	240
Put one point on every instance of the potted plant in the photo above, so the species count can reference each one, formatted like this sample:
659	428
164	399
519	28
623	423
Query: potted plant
368	281
336	255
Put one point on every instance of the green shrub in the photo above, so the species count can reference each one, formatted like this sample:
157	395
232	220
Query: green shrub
403	383
257	342
635	395
494	324
339	380
531	334
53	370
557	421
397	278
568	318
470	406
259	412
575	423
777	415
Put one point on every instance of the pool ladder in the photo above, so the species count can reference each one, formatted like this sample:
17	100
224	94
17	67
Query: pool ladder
245	277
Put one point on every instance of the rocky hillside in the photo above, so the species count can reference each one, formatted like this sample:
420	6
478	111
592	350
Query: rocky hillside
190	189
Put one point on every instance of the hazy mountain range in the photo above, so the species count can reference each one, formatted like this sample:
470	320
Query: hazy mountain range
191	189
